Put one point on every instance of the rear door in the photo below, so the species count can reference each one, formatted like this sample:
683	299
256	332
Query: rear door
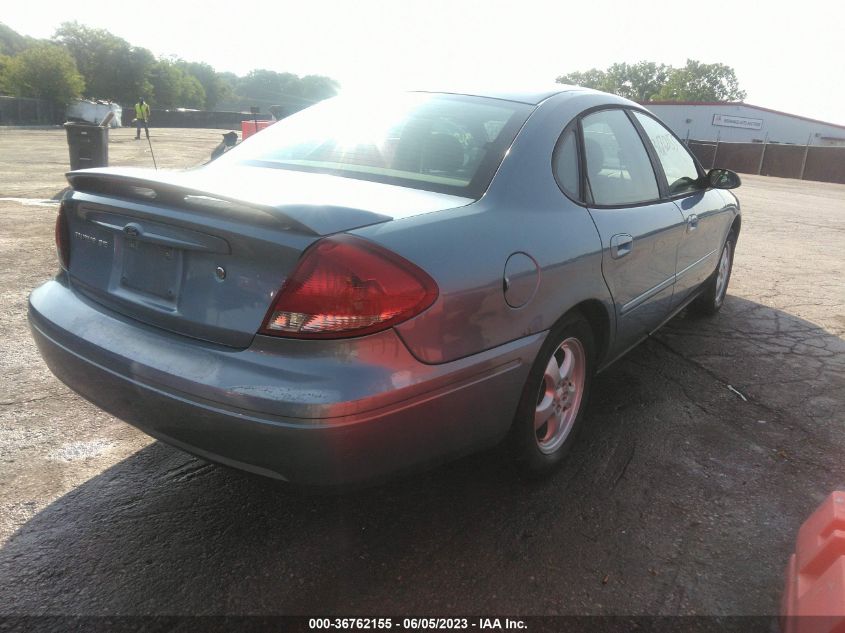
640	233
706	217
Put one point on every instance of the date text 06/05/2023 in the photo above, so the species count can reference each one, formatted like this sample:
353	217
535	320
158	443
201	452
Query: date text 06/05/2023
415	624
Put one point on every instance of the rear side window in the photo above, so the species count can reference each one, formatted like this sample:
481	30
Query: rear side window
565	164
618	167
679	167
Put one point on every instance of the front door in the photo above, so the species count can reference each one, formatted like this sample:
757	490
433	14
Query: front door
706	216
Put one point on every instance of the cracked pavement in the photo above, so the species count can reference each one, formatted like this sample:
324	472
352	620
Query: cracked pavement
704	451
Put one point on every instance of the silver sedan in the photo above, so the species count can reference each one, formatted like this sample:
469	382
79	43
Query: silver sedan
373	285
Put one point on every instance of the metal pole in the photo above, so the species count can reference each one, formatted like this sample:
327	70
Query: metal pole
147	130
763	154
716	151
804	160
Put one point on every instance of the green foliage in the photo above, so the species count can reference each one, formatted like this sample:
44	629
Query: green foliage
647	81
94	62
702	82
174	88
4	82
44	71
313	88
593	78
230	83
214	85
112	68
640	81
12	43
267	88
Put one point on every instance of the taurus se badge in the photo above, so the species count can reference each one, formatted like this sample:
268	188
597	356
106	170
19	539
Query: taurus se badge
90	239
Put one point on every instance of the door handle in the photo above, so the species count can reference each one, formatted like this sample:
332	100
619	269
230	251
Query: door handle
620	245
692	222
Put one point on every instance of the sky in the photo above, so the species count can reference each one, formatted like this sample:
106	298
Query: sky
788	57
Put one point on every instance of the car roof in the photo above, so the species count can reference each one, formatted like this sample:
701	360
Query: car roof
532	96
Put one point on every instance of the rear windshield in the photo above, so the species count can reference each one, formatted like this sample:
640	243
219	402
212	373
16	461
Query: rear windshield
446	143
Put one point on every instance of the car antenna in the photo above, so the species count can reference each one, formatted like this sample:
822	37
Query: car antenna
147	131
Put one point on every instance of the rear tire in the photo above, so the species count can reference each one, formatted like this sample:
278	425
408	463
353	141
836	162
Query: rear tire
554	397
712	298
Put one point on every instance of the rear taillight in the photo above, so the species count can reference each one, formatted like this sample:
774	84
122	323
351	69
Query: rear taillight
346	286
63	237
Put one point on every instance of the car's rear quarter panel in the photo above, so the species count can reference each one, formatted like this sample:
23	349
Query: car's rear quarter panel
466	249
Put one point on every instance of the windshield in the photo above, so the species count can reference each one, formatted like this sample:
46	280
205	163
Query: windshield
447	143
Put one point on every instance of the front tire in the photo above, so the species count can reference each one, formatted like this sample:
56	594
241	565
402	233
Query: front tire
710	301
554	398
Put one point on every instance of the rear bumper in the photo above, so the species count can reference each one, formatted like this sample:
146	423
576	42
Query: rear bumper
312	412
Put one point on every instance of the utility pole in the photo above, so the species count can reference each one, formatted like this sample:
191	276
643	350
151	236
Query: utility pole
716	151
763	154
804	160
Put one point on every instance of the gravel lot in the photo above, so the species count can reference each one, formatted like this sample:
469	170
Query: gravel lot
682	497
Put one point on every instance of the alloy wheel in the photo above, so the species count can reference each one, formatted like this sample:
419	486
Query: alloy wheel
560	395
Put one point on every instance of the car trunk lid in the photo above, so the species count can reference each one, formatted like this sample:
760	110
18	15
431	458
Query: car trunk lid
203	254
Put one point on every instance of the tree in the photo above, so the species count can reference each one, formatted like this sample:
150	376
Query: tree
4	67
12	42
44	71
638	82
646	81
266	85
265	88
112	68
174	88
593	78
701	82
214	84
228	98
313	88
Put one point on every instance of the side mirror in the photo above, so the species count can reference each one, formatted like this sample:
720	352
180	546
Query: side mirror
723	179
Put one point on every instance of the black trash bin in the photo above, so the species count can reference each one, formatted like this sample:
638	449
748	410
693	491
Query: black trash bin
88	145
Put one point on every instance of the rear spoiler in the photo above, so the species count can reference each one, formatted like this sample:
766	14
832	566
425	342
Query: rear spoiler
127	186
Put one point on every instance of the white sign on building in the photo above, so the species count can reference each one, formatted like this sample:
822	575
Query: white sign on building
726	120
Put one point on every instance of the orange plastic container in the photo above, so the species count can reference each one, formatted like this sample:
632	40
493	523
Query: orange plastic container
814	597
248	128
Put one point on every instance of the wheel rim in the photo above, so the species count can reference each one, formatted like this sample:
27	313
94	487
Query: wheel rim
723	273
559	398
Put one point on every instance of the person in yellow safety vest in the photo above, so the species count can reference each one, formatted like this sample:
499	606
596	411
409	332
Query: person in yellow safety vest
142	118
